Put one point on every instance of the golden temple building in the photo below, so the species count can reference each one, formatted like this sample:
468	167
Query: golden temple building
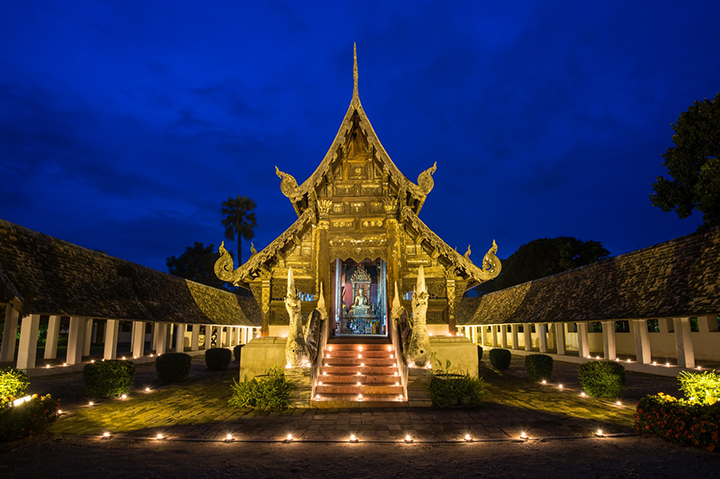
358	234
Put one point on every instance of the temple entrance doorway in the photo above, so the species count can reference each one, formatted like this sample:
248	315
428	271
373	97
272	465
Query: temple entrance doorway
360	299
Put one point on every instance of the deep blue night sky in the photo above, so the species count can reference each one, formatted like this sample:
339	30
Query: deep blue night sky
124	124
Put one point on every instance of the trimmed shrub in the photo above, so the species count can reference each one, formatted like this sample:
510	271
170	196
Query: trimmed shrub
703	388
500	358
447	390
539	366
237	351
217	358
269	392
27	419
679	421
13	384
108	379
480	353
173	367
602	379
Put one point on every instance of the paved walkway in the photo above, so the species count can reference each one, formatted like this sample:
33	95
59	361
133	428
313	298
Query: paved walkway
198	410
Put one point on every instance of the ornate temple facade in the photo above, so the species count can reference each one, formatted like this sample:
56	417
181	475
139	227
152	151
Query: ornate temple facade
358	234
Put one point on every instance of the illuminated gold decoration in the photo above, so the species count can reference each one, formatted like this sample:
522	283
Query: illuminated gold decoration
355	72
425	179
288	184
324	205
417	350
295	350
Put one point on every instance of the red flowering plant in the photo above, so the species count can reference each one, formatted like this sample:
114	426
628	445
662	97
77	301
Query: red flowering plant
29	418
694	420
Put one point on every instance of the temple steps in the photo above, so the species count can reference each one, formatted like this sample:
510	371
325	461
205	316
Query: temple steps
348	362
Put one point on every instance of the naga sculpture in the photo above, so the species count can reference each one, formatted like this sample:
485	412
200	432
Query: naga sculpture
425	179
417	350
491	263
288	184
296	354
224	265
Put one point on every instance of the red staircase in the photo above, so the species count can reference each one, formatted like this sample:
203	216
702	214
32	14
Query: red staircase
359	373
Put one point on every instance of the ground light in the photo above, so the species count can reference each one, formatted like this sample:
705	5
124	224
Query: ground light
408	439
106	435
468	438
124	396
289	438
229	438
599	433
523	436
159	437
618	403
582	394
353	438
91	403
147	390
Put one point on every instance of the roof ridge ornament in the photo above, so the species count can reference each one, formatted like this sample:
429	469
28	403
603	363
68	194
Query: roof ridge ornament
425	179
356	94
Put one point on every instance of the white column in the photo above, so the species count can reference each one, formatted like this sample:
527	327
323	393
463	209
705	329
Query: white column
542	337
112	328
169	335
514	334
138	339
707	324
208	336
51	342
180	338
610	350
583	340
76	340
559	337
527	334
493	336
503	336
27	348
643	352
195	338
154	336
482	335
161	334
87	337
683	343
7	353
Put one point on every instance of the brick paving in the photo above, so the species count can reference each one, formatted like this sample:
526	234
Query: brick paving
198	410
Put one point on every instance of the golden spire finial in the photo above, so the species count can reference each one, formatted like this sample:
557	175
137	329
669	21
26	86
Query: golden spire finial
355	71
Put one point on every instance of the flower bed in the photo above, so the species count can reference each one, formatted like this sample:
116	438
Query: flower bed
27	419
680	420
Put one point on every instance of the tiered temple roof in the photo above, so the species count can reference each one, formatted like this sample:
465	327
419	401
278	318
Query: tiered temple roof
40	274
678	278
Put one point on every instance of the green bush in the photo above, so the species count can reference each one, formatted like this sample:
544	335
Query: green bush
703	388
217	358
500	358
108	379
269	392
448	390
173	367
602	379
480	353
27	419
237	351
13	384
539	366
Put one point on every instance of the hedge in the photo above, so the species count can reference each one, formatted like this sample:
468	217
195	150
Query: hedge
173	367
602	379
539	366
108	379
500	358
217	358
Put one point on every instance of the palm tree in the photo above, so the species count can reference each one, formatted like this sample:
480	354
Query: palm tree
239	220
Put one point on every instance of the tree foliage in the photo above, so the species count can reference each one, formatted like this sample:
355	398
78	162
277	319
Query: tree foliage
544	257
197	263
239	220
693	164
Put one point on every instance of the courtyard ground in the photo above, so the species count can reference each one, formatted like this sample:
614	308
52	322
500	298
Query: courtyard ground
194	414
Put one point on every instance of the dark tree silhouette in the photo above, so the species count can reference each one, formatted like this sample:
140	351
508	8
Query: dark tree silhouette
694	165
239	220
197	263
544	257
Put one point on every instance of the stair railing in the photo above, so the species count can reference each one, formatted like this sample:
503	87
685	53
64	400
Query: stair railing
397	347
315	375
